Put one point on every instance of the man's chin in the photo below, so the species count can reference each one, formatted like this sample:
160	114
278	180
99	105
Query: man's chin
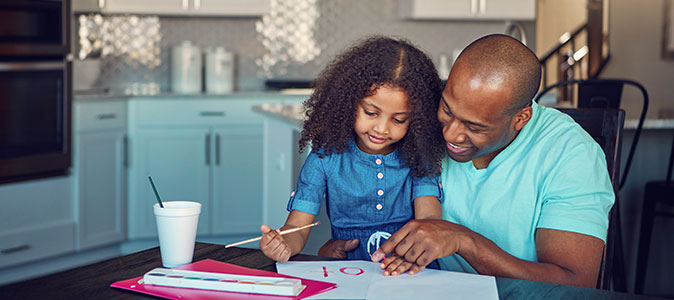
459	158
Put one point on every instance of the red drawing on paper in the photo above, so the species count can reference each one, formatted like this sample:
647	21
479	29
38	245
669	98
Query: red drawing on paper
325	272
354	271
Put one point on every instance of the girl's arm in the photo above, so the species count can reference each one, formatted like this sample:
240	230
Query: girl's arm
427	207
281	247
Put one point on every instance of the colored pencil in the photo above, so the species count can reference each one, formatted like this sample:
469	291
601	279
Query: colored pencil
281	233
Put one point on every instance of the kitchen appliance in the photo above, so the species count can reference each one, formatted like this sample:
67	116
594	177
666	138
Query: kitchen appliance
186	68
219	70
35	89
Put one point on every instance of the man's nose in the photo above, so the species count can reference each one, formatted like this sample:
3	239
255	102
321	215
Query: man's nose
454	132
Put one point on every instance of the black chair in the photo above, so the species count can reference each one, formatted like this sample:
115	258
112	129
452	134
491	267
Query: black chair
656	192
606	127
607	93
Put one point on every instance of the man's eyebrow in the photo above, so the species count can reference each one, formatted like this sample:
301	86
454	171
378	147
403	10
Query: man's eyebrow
449	110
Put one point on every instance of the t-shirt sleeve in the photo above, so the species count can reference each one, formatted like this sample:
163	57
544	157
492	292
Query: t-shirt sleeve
427	186
311	185
578	193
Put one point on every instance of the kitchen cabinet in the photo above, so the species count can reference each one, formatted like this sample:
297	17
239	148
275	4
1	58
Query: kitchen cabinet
174	7
99	169
468	9
36	220
209	151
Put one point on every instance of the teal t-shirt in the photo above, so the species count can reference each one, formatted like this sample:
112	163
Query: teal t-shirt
553	175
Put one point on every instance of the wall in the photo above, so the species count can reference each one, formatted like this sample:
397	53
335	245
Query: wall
329	26
635	43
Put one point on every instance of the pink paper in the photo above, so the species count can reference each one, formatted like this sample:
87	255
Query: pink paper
208	265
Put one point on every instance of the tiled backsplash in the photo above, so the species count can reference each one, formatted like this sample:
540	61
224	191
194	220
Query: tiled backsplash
293	41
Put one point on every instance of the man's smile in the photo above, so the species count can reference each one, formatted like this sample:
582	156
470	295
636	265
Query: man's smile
456	149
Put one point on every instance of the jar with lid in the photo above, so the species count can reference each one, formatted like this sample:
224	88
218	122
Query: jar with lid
219	70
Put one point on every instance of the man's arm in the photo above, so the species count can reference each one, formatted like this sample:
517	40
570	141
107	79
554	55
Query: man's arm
563	257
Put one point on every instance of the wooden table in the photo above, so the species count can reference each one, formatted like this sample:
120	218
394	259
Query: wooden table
93	281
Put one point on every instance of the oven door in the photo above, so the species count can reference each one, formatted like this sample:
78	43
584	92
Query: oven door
34	28
35	119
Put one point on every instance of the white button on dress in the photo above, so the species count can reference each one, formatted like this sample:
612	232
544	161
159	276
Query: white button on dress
380	192
378	161
380	175
379	206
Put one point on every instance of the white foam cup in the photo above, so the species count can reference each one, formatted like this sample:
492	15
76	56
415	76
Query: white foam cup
177	227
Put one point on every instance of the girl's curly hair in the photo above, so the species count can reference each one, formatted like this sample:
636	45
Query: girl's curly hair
358	73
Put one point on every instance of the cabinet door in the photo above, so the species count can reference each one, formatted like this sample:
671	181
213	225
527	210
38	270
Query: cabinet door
230	7
137	7
438	9
101	188
237	180
178	161
510	9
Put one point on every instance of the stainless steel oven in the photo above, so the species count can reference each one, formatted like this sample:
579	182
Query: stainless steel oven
35	89
34	28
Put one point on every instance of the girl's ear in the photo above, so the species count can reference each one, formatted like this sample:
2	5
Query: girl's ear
522	117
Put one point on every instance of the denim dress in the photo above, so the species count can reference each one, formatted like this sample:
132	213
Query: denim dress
368	196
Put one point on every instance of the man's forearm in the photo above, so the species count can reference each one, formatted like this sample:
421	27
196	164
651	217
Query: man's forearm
489	259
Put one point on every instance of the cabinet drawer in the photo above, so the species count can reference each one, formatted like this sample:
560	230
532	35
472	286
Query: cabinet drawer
23	245
198	113
102	115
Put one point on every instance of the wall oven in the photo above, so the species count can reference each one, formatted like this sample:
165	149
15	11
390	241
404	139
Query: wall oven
35	89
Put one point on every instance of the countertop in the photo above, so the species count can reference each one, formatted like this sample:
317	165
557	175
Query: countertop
293	113
202	96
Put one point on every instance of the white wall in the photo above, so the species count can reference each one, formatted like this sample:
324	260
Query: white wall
635	42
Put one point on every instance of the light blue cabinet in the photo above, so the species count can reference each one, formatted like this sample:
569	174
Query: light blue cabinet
99	170
209	150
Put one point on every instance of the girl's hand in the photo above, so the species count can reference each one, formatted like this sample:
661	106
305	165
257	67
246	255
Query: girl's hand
273	245
395	265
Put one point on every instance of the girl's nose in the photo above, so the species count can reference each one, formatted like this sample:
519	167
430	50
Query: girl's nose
381	126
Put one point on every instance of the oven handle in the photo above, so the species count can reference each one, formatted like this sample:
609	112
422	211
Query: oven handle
32	66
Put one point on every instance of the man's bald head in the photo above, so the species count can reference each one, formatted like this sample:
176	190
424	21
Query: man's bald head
503	62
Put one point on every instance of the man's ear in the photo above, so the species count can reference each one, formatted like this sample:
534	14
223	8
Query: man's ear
522	117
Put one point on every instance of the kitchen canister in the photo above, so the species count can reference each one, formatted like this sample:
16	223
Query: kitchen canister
219	70
186	68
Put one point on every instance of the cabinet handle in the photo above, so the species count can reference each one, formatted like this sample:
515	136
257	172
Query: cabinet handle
473	7
101	4
212	113
217	149
208	149
197	4
15	249
483	6
185	4
125	160
106	116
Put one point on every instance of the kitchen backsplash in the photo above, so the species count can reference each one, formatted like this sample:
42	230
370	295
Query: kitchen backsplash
295	40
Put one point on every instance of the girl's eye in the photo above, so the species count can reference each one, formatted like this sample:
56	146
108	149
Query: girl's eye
399	121
369	113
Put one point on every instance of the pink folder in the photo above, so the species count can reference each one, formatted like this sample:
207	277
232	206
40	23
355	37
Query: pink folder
208	265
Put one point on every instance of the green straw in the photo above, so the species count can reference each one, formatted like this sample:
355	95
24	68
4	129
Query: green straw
155	192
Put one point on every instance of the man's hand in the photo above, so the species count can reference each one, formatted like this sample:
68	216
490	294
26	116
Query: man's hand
395	265
337	249
420	242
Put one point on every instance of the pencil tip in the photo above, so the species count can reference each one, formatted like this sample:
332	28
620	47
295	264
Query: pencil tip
318	223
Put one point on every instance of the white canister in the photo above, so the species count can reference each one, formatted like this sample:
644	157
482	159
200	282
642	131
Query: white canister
219	71
185	68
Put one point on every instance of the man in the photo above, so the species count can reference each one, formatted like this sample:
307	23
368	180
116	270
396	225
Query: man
527	192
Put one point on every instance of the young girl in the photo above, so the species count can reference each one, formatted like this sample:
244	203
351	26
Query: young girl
376	147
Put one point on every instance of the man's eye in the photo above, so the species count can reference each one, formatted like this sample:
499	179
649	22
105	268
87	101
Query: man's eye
473	129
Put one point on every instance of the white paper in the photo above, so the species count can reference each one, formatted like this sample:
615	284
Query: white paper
433	284
364	280
351	276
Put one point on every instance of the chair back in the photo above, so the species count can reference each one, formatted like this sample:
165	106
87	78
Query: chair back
606	127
